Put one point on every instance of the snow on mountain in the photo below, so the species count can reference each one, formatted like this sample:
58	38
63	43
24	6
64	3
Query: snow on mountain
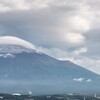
89	80
7	55
14	49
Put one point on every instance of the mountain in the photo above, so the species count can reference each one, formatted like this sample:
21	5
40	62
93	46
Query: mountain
23	69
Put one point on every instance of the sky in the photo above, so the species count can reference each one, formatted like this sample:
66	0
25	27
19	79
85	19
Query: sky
64	29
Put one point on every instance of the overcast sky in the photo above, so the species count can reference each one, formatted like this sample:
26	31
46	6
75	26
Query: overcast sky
65	29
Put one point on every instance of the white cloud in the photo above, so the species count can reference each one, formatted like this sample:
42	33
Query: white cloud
78	79
10	40
74	38
4	8
12	5
89	63
79	23
81	50
82	80
75	57
40	4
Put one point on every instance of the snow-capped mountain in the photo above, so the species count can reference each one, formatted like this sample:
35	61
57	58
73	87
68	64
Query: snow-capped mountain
23	69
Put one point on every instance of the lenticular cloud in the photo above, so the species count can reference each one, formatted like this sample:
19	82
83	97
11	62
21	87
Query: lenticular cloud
11	40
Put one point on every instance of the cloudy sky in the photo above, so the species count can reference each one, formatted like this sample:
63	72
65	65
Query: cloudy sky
64	29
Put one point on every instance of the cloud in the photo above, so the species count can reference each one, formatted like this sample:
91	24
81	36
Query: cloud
3	8
81	50
82	80
92	64
74	38
10	40
76	56
12	5
68	29
80	21
78	79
